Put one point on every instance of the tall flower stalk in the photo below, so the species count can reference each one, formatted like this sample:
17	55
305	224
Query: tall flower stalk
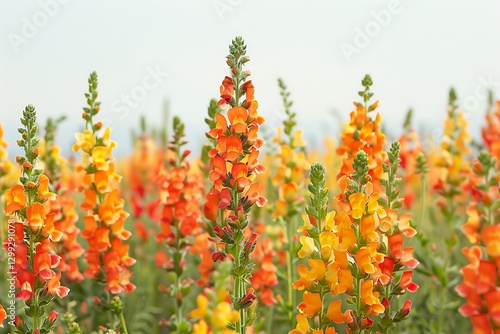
452	170
107	254
234	165
34	234
480	285
411	149
364	133
356	259
289	179
491	130
64	207
180	193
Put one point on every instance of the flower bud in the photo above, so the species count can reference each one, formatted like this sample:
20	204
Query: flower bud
218	256
53	316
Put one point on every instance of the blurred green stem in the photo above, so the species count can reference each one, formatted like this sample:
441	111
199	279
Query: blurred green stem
124	325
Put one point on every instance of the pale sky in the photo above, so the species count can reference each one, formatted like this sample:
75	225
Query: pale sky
415	51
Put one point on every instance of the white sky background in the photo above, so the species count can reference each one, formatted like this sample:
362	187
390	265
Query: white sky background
426	48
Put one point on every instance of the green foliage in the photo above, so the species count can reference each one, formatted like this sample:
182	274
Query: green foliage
393	183
93	105
52	168
318	201
290	121
367	82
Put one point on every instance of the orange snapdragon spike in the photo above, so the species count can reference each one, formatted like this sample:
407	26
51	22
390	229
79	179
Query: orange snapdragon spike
103	207
362	244
233	164
363	133
491	132
34	233
264	278
411	148
480	285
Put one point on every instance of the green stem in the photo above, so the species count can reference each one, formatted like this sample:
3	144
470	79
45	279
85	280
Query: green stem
358	300
237	86
290	282
443	289
124	325
321	315
35	313
238	288
269	323
423	197
178	308
110	315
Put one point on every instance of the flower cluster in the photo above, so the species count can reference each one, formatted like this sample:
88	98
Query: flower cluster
180	193
142	171
264	278
411	149
64	206
364	133
107	254
451	161
357	255
203	245
480	284
234	165
34	234
288	178
292	165
491	132
213	312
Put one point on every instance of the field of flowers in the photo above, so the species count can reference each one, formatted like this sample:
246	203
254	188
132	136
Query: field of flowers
367	234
